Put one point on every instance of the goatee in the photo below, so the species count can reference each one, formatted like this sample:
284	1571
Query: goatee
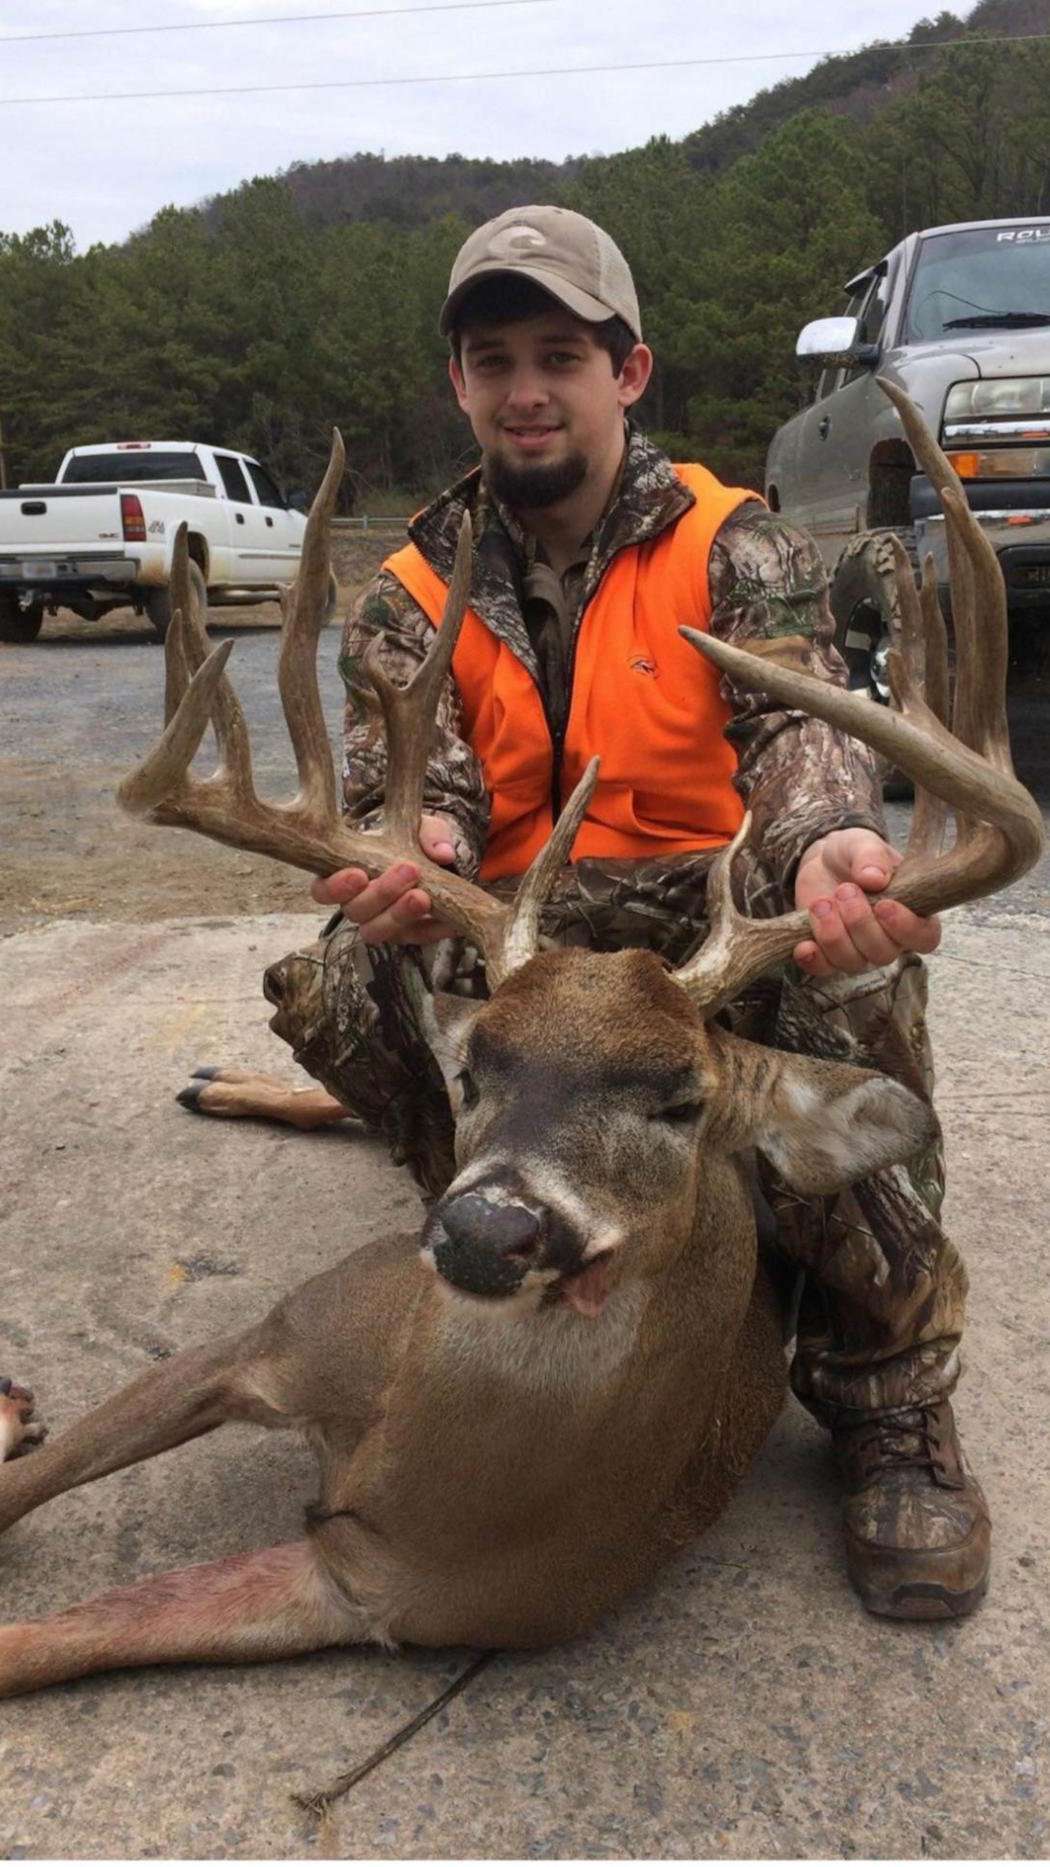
531	488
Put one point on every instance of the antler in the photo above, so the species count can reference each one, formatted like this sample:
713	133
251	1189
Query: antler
309	831
999	830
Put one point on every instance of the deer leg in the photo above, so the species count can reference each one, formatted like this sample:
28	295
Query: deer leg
175	1401
267	1605
217	1090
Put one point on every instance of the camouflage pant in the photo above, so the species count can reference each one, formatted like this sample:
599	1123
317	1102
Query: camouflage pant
883	1288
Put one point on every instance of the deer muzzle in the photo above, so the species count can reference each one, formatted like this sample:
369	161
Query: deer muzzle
486	1243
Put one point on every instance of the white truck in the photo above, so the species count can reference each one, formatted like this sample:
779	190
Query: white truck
101	536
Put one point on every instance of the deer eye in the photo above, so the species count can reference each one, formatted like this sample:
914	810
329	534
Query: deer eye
679	1114
468	1089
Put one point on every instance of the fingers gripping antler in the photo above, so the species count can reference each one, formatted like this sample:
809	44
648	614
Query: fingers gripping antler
309	832
967	769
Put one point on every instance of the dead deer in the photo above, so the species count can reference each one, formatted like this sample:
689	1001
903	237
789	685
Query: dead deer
520	1413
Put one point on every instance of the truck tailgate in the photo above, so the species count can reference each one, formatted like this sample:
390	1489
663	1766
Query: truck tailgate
53	521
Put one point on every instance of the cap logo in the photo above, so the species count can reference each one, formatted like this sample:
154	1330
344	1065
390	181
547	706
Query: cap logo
511	240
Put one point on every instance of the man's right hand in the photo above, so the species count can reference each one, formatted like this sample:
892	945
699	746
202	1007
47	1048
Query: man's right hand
393	909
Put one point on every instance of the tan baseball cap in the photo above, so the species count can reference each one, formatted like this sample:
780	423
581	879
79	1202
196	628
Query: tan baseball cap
566	254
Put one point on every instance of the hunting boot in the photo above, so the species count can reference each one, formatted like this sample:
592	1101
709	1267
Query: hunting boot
918	1536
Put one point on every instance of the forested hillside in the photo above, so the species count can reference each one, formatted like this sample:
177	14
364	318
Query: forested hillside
308	298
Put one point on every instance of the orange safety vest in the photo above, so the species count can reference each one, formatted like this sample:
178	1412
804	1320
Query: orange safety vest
642	699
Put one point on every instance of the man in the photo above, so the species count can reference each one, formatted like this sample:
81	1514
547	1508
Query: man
581	529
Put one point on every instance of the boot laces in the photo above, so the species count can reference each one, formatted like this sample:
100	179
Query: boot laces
894	1442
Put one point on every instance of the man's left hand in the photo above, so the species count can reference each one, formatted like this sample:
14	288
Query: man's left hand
852	933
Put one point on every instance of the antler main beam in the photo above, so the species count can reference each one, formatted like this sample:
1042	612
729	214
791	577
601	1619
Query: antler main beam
309	831
966	769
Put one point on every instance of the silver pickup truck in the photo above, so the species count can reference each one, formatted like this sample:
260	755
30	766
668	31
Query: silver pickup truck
959	316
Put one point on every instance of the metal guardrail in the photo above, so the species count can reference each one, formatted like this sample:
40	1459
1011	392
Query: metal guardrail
386	523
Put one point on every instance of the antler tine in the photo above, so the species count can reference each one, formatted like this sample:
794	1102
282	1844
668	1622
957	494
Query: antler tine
736	949
981	689
161	781
304	618
410	712
177	669
522	937
918	672
977	658
185	650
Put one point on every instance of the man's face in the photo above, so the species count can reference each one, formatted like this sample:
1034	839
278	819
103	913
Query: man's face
544	404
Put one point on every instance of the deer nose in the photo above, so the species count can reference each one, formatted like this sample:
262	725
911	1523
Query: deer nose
483	1245
511	1230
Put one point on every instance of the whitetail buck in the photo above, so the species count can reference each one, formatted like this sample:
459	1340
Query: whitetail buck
518	1415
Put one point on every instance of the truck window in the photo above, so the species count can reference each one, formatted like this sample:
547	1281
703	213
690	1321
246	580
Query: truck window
232	475
150	464
870	317
267	489
834	375
975	275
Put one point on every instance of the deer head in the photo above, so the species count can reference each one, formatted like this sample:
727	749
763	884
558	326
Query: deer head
601	1112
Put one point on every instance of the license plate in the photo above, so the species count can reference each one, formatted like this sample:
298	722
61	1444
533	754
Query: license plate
39	568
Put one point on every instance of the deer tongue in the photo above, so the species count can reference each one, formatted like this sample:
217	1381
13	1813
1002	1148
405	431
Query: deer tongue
585	1291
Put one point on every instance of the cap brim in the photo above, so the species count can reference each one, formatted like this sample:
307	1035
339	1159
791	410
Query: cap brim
580	303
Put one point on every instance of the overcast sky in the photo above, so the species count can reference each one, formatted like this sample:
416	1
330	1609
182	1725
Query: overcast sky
105	167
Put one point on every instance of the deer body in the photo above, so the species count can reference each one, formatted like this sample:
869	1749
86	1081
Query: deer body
493	1470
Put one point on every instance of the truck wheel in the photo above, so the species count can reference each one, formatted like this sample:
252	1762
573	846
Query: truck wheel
866	608
20	622
158	602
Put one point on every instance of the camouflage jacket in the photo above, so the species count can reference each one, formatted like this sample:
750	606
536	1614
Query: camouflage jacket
799	777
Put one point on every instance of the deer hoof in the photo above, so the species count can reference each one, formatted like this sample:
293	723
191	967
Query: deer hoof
19	1432
207	1072
190	1097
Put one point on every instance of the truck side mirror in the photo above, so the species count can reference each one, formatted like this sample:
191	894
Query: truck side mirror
297	500
833	340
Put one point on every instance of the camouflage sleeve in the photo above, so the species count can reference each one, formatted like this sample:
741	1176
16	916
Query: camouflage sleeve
799	777
454	782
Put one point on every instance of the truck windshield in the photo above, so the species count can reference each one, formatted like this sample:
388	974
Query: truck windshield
976	280
154	465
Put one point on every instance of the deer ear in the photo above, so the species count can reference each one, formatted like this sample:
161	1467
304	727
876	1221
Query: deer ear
820	1125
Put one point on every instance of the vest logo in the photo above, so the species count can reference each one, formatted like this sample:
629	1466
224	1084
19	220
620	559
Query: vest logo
640	664
510	241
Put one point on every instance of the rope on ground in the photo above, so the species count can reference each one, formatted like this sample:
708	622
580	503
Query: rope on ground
318	1801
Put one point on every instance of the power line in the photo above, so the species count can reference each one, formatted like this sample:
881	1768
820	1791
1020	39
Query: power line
543	71
274	19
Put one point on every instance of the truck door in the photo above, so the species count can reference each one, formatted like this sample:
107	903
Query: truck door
832	471
247	532
281	536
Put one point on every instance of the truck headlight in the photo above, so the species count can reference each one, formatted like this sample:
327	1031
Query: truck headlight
998	395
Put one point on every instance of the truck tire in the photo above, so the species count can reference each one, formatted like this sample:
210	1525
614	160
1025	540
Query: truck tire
19	622
158	602
866	607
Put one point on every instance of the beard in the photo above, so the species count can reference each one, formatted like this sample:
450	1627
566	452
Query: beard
531	488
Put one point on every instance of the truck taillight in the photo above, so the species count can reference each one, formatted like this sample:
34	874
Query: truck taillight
132	519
